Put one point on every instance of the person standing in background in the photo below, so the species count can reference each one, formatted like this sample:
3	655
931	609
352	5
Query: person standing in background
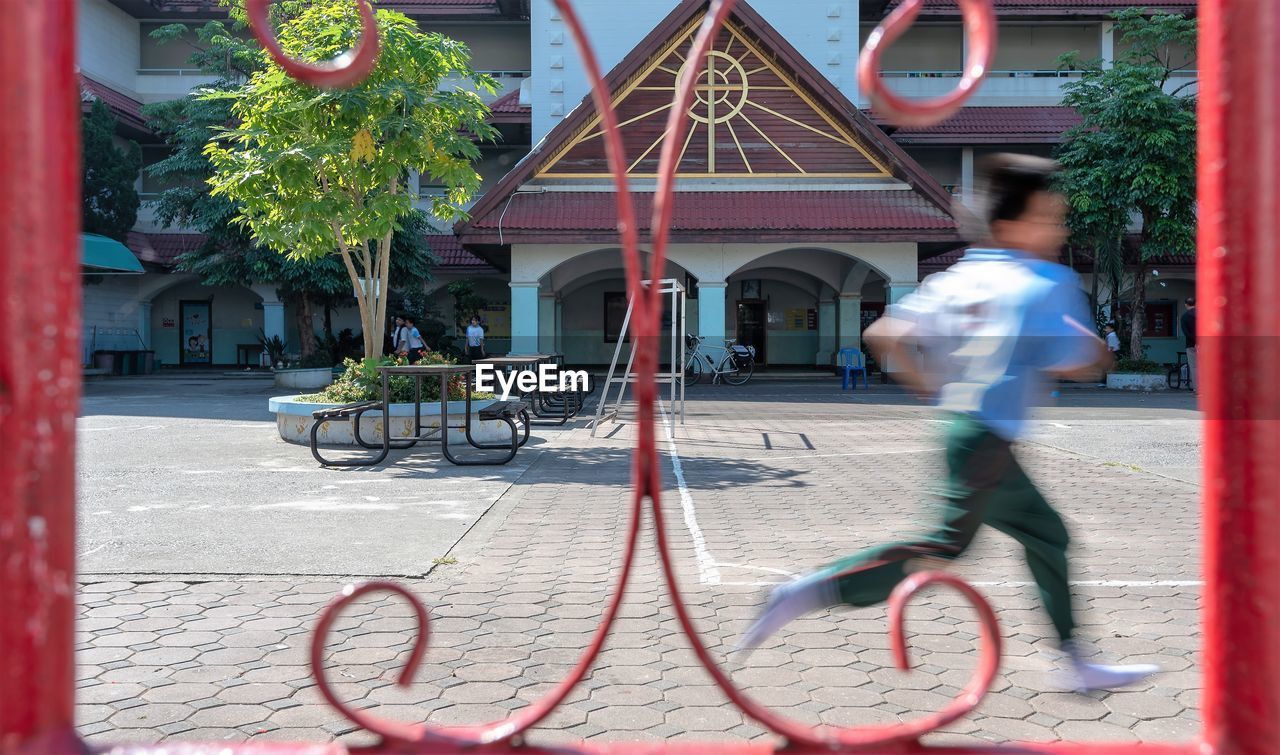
475	339
414	347
1188	324
1113	340
397	335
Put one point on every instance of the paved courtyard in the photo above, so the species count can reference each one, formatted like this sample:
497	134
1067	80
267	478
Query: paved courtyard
208	547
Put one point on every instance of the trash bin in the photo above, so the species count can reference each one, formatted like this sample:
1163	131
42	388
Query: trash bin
148	362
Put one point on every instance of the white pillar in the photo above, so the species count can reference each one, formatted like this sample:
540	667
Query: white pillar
966	175
144	323
1108	44
546	323
850	321
826	332
524	317
711	315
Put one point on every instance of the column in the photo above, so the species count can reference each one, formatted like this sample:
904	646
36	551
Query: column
546	322
1108	48
524	317
827	330
898	290
711	296
273	320
144	323
966	175
849	321
895	292
559	342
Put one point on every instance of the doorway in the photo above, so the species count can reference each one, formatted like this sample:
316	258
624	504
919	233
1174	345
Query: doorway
753	316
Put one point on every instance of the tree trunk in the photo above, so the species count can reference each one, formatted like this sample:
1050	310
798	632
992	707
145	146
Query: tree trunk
301	304
328	318
1093	294
1138	307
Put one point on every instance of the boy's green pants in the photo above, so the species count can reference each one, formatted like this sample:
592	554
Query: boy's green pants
984	485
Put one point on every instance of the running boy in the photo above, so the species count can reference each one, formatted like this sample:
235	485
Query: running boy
989	330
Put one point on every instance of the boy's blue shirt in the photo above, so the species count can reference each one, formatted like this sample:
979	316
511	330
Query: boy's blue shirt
991	326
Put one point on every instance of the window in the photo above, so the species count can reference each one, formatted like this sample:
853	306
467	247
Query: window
1161	319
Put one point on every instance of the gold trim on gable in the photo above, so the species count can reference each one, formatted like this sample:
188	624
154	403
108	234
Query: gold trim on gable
718	90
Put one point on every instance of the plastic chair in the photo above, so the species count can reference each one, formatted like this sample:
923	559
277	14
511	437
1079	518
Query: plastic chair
850	362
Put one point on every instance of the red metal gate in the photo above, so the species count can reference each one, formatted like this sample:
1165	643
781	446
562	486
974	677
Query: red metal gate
1239	276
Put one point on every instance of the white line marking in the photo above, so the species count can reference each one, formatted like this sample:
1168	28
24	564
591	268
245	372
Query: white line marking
852	453
95	550
1015	583
707	569
120	427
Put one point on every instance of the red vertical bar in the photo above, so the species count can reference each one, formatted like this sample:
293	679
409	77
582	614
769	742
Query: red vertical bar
1239	344
39	370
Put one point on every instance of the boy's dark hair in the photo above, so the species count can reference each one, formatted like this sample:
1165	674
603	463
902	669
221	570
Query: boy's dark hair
409	319
1191	301
1004	183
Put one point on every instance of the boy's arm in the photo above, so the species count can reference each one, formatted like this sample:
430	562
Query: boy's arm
1102	358
892	341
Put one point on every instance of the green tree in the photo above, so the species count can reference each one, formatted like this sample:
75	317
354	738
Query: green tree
1132	160
312	172
230	256
109	200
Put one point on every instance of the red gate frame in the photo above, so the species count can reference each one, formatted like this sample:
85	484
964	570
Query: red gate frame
1239	196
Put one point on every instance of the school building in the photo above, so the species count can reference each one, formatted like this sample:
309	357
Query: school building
798	216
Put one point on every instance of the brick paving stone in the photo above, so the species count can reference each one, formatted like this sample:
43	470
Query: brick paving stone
513	616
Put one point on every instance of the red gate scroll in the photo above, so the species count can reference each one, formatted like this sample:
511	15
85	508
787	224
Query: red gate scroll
1240	210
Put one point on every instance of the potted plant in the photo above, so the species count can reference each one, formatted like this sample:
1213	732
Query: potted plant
1137	375
274	347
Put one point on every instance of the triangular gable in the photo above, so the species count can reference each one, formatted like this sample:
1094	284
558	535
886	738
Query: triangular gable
812	132
756	119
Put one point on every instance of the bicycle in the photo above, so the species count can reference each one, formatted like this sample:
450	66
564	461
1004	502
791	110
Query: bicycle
736	365
1179	374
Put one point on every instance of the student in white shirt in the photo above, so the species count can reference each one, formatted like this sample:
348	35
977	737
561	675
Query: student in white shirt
992	329
475	340
412	345
1113	340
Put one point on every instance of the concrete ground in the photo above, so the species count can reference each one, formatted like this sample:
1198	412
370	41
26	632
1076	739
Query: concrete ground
208	547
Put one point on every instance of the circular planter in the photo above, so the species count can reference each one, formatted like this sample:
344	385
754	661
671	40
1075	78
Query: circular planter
311	378
1136	381
293	420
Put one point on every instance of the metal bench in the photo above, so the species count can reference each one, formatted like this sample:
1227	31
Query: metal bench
502	411
348	413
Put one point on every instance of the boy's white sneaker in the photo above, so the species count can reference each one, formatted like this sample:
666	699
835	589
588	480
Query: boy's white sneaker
812	592
1083	676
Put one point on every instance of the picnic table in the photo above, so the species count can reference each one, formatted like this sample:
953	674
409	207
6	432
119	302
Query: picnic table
505	411
554	408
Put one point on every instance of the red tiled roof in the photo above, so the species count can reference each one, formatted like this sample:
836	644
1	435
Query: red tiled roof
809	215
507	109
1053	7
919	213
163	248
993	125
125	107
450	254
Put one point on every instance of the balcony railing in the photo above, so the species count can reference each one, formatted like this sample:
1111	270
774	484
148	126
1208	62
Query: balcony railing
1001	87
